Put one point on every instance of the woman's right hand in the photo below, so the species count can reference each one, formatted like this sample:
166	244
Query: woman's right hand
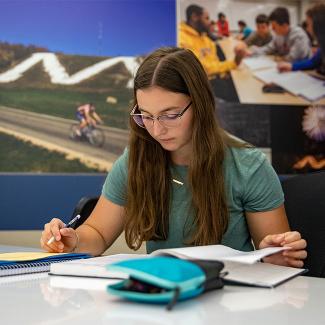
66	239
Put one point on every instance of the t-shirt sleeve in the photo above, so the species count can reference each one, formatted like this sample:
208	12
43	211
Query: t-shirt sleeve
262	189
115	186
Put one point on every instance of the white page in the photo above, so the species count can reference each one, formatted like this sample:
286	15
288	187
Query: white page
74	282
314	91
267	75
260	274
295	82
220	252
104	260
259	62
290	81
93	267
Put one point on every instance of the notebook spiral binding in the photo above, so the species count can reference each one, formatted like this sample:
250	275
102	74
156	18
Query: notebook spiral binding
27	268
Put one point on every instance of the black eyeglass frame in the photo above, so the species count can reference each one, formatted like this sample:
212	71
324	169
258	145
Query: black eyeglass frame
175	116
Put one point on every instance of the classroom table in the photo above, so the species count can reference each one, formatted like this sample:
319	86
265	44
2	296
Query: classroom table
249	89
43	299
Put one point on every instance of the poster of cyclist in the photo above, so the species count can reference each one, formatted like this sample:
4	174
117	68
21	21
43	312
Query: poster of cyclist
66	75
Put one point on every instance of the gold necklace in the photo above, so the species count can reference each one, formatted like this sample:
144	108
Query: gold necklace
176	179
178	182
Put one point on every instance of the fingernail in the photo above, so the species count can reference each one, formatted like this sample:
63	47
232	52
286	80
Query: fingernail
57	238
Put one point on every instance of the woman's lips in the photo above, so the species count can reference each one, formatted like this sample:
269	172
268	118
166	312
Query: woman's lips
166	140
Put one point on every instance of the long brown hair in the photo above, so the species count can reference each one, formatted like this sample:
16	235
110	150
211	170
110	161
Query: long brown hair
149	178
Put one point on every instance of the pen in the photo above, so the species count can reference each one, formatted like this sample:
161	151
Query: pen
77	217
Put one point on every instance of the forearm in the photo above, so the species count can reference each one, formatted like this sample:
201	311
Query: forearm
102	227
90	240
264	50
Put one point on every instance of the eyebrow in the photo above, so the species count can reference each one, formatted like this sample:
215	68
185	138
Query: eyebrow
164	110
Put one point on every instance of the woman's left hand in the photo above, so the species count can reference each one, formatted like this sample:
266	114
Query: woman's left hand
292	257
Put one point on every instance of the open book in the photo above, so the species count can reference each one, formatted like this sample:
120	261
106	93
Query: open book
242	267
259	62
296	82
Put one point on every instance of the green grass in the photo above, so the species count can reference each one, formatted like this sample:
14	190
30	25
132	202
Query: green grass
62	102
35	92
75	63
20	156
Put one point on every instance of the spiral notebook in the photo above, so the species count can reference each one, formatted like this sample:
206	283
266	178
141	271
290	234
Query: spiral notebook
33	262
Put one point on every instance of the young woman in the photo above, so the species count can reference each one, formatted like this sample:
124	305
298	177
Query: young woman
183	180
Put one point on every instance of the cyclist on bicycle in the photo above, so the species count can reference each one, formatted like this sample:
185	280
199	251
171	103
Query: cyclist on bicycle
86	116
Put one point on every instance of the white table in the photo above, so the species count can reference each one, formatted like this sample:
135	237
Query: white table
43	299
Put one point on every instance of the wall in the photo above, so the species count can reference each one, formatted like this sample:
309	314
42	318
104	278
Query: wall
31	238
28	201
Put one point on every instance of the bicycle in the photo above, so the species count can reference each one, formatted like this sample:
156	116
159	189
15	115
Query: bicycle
90	133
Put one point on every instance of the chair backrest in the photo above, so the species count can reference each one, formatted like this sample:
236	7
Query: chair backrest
305	207
84	207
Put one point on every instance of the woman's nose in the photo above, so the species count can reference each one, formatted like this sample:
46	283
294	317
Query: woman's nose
158	128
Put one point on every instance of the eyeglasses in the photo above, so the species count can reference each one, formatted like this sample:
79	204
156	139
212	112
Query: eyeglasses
166	120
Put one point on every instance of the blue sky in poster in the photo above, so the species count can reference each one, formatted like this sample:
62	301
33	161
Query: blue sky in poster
90	27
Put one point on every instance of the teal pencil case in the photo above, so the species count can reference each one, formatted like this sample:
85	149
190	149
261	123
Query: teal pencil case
165	280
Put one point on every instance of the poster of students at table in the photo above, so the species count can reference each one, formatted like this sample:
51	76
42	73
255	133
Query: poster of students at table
292	136
66	63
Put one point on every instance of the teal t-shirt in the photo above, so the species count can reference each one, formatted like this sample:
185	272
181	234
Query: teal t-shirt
251	185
